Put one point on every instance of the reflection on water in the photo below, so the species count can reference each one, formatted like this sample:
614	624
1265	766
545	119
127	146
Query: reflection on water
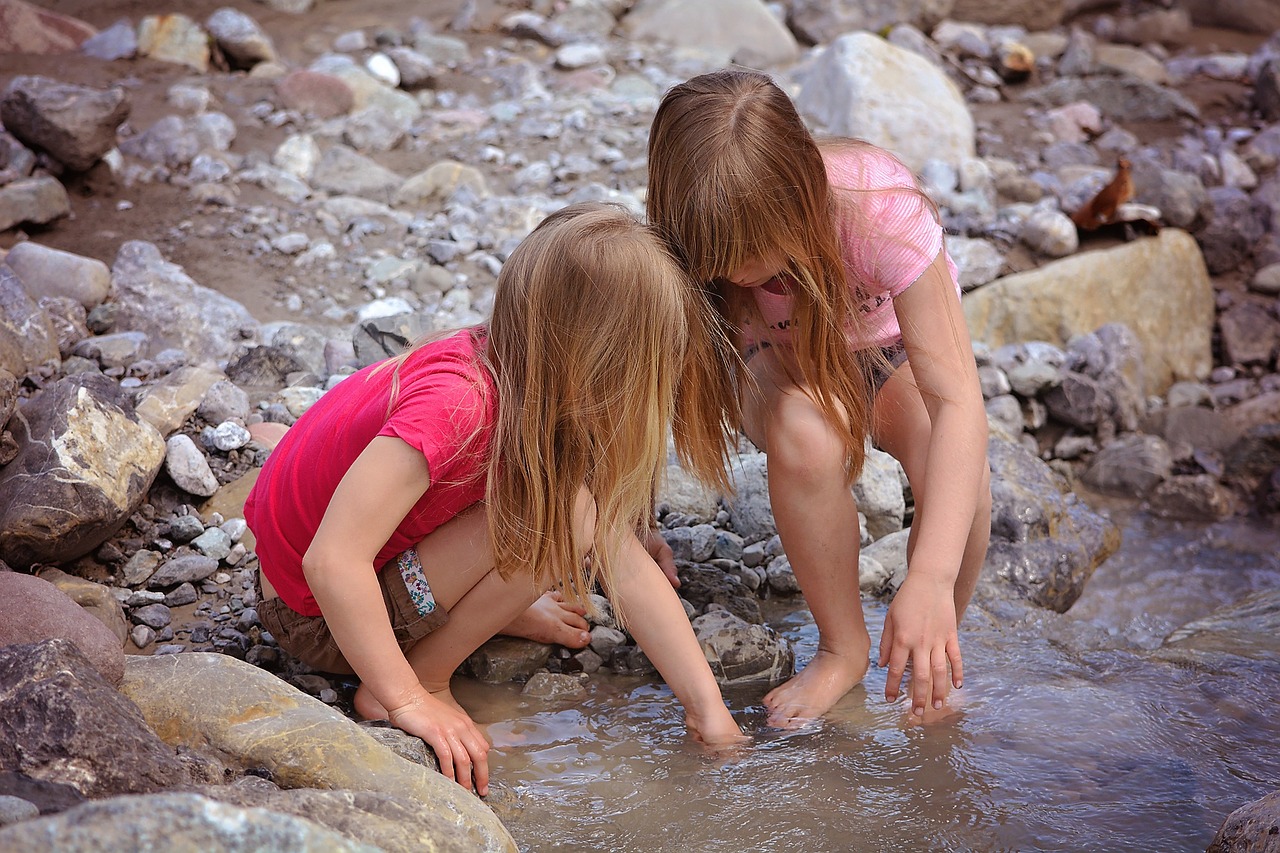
1069	735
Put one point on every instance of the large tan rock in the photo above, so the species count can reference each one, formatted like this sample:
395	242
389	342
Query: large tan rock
1159	287
248	717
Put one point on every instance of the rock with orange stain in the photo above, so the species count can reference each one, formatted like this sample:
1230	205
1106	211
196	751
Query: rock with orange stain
216	704
174	38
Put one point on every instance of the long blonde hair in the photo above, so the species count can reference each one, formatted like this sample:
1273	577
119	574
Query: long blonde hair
585	343
734	176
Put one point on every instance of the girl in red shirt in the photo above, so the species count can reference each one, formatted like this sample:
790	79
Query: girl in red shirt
425	503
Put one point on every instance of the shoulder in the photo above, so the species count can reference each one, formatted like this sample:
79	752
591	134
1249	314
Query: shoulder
856	165
447	372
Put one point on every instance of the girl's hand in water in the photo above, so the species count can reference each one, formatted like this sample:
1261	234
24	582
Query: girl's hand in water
718	733
920	629
461	748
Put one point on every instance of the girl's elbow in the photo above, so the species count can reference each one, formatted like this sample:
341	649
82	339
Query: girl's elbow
318	566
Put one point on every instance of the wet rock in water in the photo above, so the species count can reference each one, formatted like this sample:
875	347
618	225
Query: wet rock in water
740	652
504	659
1192	497
97	743
704	586
33	609
548	685
1131	467
76	125
1252	828
213	701
1045	542
149	822
64	494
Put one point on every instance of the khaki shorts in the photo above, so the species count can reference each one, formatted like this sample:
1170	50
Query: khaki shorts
410	605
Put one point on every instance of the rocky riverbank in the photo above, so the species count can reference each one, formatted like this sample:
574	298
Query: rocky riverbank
212	218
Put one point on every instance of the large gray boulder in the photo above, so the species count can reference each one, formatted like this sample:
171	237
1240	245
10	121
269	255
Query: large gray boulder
157	297
863	86
76	125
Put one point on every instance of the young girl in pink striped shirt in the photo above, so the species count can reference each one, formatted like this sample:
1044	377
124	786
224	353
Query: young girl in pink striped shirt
835	316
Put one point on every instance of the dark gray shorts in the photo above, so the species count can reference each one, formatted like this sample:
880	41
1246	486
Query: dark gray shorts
895	355
406	594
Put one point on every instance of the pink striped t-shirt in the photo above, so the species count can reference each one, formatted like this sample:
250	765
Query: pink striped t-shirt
881	261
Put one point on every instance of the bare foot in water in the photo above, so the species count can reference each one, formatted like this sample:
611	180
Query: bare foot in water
551	619
814	689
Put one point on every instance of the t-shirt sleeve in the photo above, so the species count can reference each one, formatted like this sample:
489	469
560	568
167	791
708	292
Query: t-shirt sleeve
440	414
895	234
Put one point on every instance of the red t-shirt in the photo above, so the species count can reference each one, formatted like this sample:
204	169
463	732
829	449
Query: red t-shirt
444	408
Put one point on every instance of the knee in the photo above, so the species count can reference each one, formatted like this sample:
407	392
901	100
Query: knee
584	518
803	447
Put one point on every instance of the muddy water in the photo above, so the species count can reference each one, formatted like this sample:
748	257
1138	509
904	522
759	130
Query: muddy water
1070	735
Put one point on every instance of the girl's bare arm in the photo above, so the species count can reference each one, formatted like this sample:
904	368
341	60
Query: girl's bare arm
657	620
922	622
380	488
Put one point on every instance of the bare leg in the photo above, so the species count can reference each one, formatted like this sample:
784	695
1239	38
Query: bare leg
459	567
817	520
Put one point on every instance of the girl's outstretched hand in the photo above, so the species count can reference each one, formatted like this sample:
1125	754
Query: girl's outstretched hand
921	629
461	748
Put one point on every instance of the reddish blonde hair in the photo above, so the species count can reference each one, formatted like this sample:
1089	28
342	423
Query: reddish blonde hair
585	346
734	176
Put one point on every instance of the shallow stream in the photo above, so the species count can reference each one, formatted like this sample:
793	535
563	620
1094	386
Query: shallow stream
1070	733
